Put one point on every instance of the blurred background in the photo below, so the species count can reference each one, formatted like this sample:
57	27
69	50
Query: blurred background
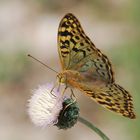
30	26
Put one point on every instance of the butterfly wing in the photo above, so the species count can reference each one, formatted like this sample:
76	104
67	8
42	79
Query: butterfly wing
111	96
78	53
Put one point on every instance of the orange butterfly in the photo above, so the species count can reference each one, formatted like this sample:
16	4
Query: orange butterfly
86	68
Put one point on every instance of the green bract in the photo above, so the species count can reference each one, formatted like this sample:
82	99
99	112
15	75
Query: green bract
68	115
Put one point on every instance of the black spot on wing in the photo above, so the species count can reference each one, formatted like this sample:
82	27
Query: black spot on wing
65	33
64	25
63	47
73	41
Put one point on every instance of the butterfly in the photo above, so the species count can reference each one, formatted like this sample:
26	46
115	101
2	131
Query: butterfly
86	68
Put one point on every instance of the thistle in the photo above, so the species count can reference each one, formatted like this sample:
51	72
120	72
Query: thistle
48	108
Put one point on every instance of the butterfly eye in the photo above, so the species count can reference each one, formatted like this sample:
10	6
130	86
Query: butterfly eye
61	78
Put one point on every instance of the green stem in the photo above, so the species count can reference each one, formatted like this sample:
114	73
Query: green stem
94	128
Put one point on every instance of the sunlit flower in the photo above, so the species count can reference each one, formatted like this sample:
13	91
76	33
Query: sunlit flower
44	107
47	108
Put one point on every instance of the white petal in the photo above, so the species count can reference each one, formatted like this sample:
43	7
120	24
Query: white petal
44	107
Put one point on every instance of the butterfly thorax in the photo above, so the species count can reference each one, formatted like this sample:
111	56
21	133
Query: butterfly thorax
69	77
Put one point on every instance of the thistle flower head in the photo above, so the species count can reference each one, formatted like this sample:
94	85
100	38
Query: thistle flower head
44	106
47	108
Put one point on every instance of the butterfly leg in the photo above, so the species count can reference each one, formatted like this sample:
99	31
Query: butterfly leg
74	100
73	95
54	88
64	89
66	86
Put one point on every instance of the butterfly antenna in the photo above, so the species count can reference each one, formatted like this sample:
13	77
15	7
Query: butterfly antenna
42	63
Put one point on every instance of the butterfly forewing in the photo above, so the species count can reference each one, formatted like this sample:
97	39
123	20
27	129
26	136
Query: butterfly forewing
78	53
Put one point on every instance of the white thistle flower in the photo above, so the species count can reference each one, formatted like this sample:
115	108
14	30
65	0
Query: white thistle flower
44	107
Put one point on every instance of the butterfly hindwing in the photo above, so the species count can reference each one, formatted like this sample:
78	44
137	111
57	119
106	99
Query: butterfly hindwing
113	97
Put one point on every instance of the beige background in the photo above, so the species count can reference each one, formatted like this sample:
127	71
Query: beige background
30	26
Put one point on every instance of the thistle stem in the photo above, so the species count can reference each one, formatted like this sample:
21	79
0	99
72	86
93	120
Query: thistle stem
94	128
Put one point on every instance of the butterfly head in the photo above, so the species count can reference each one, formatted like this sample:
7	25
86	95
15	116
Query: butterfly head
62	77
